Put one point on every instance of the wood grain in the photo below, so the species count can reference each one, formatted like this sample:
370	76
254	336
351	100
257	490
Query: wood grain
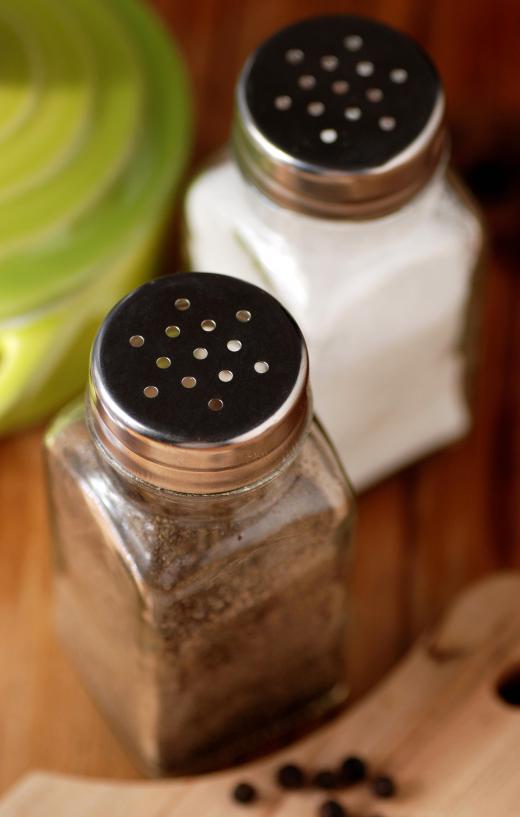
424	534
437	725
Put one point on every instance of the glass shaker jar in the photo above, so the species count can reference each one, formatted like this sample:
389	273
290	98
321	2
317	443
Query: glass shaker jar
337	199
202	522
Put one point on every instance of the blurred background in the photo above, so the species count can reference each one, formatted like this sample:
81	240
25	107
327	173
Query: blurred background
423	534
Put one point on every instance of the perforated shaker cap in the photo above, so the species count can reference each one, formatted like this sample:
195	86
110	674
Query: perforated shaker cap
339	117
198	383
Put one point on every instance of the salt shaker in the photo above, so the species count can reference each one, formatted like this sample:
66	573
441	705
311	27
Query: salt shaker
337	199
202	525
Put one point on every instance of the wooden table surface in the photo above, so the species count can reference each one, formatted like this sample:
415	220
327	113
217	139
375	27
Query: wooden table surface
425	533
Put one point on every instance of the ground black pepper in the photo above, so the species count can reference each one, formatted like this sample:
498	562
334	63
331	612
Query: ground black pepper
206	626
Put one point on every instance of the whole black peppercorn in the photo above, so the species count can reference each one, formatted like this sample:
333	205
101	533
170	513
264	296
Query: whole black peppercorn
290	776
383	786
353	770
325	779
331	808
244	793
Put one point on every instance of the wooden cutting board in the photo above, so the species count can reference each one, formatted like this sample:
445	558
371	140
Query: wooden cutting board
439	724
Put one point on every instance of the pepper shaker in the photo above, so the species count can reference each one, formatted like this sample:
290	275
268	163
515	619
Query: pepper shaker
202	525
337	199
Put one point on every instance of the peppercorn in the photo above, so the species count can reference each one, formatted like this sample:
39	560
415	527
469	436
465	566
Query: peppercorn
353	770
331	808
383	786
290	776
325	779
244	793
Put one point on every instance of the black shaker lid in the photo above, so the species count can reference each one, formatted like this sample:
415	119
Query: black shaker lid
197	361
369	87
336	94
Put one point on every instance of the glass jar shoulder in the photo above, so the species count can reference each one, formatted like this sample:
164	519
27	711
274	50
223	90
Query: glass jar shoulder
320	464
221	187
462	200
216	182
94	515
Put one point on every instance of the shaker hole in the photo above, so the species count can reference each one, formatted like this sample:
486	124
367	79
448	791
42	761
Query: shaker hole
340	86
508	687
200	353
374	95
329	62
387	123
189	382
294	56
353	42
283	103
243	315
215	404
172	331
136	341
307	81
315	108
225	375
163	362
398	75
365	68
234	345
182	304
328	136
353	114
261	367
150	392
208	325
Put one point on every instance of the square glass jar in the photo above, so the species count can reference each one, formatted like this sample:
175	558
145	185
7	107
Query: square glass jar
202	525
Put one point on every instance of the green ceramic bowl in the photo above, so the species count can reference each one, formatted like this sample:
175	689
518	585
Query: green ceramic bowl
94	132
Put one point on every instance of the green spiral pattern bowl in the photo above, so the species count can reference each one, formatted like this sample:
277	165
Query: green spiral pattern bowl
94	133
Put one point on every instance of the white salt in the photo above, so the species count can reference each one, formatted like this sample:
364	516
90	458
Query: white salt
382	303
